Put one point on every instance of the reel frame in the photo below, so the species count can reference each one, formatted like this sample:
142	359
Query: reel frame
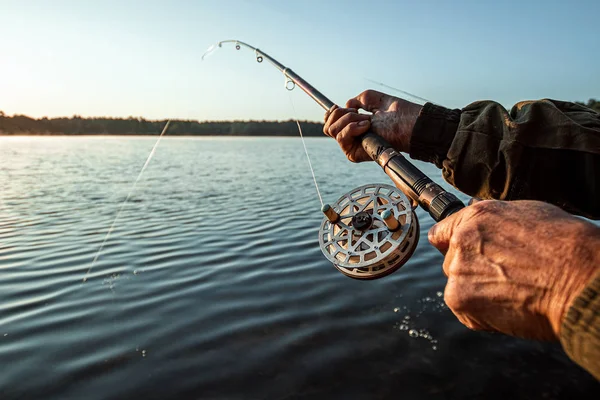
379	247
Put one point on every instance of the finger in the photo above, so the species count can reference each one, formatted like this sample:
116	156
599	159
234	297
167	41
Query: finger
454	297
341	123
448	260
330	117
474	200
328	112
439	235
370	100
347	137
334	116
469	322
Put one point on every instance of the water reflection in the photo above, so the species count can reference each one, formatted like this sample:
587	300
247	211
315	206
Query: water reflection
213	286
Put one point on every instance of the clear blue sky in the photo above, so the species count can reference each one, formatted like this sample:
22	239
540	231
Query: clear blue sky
142	58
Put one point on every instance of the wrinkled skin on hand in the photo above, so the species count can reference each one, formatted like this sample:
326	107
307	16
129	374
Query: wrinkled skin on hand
515	267
392	118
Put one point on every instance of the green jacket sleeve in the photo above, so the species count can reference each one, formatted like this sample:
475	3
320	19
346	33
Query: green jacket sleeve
580	330
541	150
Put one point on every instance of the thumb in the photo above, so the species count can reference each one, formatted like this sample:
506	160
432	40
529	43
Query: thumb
440	234
369	100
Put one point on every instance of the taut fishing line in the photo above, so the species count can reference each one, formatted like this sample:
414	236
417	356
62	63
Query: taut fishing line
112	226
312	171
404	92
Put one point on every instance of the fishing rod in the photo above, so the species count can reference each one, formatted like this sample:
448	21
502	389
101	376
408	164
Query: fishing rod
371	231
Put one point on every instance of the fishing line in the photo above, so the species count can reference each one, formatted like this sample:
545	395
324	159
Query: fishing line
112	226
306	150
399	90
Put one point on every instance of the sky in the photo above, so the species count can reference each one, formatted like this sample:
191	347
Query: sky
143	58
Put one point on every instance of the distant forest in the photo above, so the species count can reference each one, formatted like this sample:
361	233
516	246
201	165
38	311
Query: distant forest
592	103
76	125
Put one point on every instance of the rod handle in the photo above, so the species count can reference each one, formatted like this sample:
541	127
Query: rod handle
411	180
374	145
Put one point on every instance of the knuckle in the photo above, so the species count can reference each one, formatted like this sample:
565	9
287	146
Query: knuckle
431	236
347	123
482	206
465	235
367	95
486	209
351	126
456	298
456	240
451	297
455	267
462	233
368	92
446	266
329	113
337	114
469	324
346	118
350	131
342	138
333	131
339	127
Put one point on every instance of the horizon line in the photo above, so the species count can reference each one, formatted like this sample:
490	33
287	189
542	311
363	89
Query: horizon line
132	117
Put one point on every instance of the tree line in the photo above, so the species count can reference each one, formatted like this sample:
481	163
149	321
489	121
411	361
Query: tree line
592	103
76	125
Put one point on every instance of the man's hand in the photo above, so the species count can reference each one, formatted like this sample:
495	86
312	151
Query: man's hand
515	267
392	118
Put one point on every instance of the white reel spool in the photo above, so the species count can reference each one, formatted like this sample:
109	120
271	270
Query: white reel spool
369	232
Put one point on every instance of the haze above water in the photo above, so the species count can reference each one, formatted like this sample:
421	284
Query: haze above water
213	285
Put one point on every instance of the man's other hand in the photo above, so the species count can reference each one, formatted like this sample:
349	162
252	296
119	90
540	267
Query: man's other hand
515	267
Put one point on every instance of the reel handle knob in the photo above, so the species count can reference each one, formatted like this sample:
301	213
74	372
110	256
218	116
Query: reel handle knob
391	222
330	213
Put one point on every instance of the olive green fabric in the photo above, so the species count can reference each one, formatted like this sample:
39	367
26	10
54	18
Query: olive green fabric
541	150
580	331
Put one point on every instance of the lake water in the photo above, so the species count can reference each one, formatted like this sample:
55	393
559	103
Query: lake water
213	285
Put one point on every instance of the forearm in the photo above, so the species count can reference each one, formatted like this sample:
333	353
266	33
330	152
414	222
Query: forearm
543	150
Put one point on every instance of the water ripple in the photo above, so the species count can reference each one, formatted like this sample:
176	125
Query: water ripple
213	285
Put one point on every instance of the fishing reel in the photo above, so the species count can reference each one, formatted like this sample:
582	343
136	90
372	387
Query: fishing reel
369	232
